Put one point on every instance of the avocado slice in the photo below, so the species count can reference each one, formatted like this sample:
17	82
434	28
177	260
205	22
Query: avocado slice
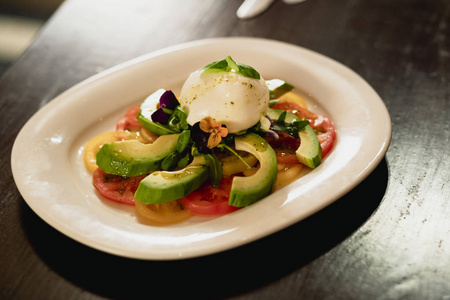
310	152
164	186
278	87
148	107
248	190
133	158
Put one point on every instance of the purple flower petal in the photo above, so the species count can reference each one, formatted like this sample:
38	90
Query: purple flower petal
168	100
160	116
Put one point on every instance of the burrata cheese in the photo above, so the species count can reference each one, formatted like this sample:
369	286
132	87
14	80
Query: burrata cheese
228	97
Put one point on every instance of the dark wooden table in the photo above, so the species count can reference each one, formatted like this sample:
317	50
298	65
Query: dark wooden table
387	239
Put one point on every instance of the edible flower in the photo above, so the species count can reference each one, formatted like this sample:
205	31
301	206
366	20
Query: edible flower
216	130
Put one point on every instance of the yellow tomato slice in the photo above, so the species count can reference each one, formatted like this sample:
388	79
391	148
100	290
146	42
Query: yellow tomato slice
231	164
146	136
92	147
293	98
161	214
287	174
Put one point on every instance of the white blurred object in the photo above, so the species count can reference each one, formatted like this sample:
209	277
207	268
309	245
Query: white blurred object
293	1
252	8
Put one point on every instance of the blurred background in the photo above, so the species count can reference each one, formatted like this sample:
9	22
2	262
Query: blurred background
20	21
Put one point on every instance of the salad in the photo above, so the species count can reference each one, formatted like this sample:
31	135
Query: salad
227	141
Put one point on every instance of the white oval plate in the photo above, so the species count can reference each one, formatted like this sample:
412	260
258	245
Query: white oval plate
49	172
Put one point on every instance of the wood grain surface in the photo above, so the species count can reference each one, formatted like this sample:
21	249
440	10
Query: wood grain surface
389	238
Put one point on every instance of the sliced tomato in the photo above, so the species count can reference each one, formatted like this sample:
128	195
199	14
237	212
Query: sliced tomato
116	188
285	147
301	112
171	212
129	121
210	201
92	147
326	133
323	126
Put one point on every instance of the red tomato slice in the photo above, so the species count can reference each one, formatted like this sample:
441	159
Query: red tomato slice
129	120
285	147
210	201
116	188
326	133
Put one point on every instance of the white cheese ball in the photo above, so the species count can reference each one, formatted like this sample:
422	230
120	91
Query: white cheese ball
228	97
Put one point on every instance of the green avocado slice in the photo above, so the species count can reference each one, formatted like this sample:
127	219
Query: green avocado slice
278	87
310	152
164	186
133	158
248	190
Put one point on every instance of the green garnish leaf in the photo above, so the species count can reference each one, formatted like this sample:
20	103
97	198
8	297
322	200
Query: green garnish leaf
215	169
217	65
248	71
170	162
177	122
183	140
164	129
229	65
182	163
282	118
232	64
291	128
225	146
167	111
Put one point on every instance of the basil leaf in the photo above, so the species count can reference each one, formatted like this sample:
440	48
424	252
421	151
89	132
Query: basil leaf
281	118
290	128
219	65
248	71
228	65
232	64
215	169
301	124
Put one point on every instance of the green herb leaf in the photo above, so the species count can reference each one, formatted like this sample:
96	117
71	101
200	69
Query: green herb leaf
215	169
232	64
282	118
167	111
183	140
176	124
182	163
222	146
248	71
165	129
170	162
228	65
217	65
290	128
